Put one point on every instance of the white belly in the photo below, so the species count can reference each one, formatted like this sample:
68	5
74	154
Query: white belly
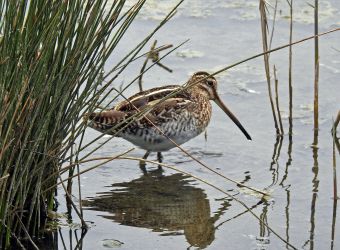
153	140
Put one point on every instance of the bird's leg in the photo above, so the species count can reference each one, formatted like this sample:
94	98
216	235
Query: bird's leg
142	162
146	155
160	159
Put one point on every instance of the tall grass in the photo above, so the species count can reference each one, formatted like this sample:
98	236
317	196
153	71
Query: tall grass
316	71
290	80
51	54
266	47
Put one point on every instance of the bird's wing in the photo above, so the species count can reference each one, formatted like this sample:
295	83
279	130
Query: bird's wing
143	98
168	110
147	102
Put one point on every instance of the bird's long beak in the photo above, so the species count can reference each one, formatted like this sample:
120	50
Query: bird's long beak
219	102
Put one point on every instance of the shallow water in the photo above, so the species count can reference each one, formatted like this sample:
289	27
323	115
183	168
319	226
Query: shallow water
127	209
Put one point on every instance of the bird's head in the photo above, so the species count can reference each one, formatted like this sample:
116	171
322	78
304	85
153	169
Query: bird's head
205	84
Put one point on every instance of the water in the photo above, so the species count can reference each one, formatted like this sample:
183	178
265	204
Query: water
167	210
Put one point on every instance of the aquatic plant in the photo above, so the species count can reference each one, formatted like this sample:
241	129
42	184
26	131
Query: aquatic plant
52	54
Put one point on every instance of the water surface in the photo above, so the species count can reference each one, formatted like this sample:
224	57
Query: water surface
127	209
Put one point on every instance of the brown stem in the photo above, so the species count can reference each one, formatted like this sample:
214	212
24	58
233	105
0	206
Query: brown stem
316	66
277	101
264	28
290	85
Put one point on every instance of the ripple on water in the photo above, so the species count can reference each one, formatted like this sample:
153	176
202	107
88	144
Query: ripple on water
241	78
241	10
157	10
189	53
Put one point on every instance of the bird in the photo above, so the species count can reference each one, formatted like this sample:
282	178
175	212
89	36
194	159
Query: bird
179	118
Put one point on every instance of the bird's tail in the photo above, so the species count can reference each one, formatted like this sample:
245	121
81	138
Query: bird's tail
105	121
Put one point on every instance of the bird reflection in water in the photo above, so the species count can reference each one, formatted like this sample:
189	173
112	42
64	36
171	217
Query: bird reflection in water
167	204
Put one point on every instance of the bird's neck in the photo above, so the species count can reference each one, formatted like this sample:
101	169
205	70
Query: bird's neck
197	92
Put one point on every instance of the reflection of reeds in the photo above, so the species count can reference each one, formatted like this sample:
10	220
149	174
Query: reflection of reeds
335	203
264	232
62	239
335	185
315	183
275	158
335	189
284	178
287	215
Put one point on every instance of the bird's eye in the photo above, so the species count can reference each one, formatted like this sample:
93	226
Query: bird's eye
210	83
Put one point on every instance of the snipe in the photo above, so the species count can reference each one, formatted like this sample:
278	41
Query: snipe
181	117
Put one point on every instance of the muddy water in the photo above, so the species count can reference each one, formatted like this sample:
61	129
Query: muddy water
127	209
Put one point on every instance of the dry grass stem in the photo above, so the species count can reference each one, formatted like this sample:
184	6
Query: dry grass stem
264	29
290	81
316	67
277	101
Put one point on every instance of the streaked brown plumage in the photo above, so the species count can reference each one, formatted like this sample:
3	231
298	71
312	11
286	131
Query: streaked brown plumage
181	117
